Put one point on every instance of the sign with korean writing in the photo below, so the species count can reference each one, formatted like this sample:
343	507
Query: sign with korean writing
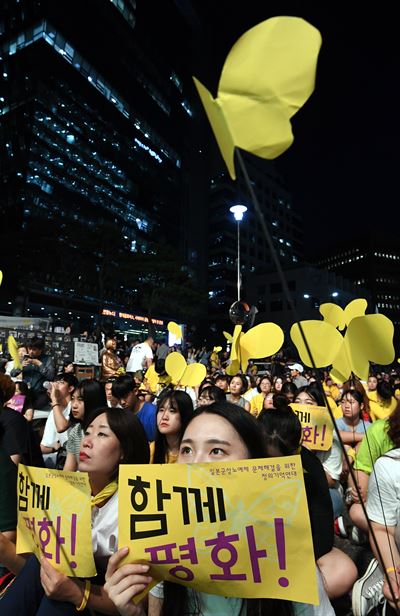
238	529
54	518
316	424
86	353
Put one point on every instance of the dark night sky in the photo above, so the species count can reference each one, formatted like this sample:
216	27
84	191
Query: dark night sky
343	167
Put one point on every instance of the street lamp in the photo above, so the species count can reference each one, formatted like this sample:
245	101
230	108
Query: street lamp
238	211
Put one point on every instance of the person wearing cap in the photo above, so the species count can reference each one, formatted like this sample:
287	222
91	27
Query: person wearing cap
296	377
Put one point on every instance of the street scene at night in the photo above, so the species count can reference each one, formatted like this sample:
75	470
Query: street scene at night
199	309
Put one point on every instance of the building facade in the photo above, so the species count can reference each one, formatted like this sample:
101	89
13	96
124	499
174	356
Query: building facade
103	150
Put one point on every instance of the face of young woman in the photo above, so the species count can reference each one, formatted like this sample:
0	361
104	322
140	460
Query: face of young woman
350	407
209	438
278	384
169	418
204	400
100	450
236	386
372	383
304	398
265	386
268	401
77	405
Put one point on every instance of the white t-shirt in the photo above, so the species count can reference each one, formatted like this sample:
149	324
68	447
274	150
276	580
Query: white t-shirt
387	476
105	531
138	356
50	434
332	459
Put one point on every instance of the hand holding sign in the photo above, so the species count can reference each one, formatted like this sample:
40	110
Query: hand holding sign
116	583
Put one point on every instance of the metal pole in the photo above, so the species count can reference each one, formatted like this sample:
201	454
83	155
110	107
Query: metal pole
238	260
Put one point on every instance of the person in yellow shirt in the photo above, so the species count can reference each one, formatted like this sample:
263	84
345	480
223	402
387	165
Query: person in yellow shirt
381	401
264	387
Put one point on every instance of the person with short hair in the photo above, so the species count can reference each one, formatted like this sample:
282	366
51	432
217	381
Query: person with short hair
296	371
141	356
125	391
36	369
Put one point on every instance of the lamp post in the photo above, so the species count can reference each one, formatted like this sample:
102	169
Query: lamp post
238	211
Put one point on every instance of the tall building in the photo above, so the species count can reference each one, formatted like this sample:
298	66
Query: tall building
255	260
103	148
373	263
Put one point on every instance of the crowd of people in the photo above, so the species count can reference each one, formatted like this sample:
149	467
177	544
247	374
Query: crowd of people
133	414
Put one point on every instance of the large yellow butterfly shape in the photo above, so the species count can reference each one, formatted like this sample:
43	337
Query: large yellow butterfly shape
367	338
268	75
183	374
260	341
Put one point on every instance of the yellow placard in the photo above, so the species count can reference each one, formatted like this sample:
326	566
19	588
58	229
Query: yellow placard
316	424
54	519
237	529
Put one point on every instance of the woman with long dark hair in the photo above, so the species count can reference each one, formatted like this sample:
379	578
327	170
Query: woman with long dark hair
174	411
218	432
86	398
112	437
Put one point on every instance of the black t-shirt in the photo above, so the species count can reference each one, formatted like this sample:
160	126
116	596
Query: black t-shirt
8	493
319	503
18	437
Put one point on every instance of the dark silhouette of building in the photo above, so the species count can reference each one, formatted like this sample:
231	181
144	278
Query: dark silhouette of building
103	148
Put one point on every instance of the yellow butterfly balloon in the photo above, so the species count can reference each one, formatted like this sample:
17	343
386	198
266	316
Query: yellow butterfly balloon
1	277
175	329
367	338
13	350
260	341
217	349
268	75
183	374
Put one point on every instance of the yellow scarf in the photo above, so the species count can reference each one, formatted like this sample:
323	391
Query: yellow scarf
105	494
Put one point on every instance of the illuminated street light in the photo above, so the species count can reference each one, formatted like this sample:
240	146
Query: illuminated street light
238	211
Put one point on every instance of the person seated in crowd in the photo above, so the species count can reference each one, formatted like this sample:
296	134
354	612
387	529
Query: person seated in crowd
382	436
210	394
88	396
18	438
125	391
112	437
383	507
289	390
55	435
296	375
21	401
277	383
283	434
331	459
112	402
11	368
222	381
174	411
381	401
263	388
111	365
37	368
352	426
216	432
238	386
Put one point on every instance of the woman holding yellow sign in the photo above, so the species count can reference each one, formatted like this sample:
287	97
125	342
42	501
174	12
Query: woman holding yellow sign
112	437
218	432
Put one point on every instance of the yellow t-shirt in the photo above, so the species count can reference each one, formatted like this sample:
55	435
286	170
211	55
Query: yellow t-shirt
379	409
170	458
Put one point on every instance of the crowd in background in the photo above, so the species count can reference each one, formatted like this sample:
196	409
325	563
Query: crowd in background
49	419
